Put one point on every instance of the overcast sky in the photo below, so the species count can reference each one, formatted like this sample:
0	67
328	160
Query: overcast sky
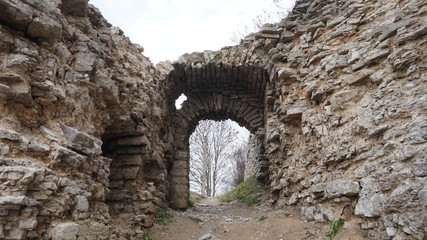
169	28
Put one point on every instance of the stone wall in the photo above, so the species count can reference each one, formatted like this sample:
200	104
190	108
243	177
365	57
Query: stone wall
91	144
346	132
75	96
255	156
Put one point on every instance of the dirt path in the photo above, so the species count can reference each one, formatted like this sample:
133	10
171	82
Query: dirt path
214	220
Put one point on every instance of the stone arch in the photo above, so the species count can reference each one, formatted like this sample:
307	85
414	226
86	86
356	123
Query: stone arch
214	91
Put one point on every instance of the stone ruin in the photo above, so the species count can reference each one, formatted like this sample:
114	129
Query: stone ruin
91	145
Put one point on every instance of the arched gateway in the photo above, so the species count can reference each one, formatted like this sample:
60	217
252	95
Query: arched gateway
214	91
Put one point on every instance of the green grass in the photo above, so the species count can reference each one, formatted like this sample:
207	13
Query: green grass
163	217
194	198
192	202
333	228
196	219
249	192
147	236
262	218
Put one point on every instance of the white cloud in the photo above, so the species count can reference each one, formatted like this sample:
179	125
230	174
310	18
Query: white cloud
169	28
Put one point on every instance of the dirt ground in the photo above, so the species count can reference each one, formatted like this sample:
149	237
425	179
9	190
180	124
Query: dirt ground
215	220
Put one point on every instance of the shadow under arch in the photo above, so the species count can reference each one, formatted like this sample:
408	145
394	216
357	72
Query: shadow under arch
216	92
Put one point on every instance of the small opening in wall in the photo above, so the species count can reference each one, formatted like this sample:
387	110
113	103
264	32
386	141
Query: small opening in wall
178	102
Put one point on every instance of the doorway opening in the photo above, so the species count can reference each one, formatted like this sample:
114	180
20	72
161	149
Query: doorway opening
218	153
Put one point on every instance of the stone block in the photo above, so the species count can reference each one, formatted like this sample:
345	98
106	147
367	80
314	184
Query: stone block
180	165
65	231
14	200
294	113
81	141
287	36
69	158
179	172
128	159
16	234
45	28
338	99
18	87
47	133
377	130
180	180
420	170
20	175
359	77
341	188
317	213
130	172
180	188
318	190
85	61
82	204
286	72
27	224
412	34
369	205
179	203
9	135
181	155
133	141
16	14
422	195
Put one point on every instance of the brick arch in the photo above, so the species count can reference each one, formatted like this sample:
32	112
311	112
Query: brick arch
214	91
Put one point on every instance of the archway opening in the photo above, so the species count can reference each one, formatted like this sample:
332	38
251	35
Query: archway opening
218	153
180	101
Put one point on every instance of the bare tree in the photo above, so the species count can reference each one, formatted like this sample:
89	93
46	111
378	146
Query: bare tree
239	156
210	145
280	10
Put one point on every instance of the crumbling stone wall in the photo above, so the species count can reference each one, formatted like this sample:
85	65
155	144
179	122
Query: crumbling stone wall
255	164
80	140
346	126
91	144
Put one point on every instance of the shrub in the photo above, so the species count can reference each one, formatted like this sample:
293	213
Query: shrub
163	217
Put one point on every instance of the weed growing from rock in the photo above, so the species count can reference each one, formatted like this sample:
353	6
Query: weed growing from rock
334	228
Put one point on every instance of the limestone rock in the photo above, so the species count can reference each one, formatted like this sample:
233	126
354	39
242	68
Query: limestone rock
421	170
342	188
17	14
318	213
81	141
82	204
286	72
85	61
27	224
65	231
370	205
45	28
13	200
